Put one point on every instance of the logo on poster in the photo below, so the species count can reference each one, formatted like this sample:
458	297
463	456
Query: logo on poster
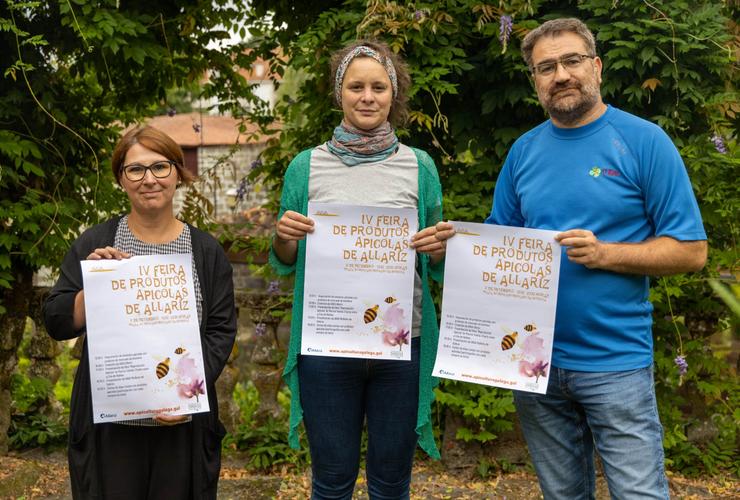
311	349
445	372
194	406
108	415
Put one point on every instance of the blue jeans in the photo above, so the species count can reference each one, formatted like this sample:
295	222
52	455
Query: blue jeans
616	412
337	395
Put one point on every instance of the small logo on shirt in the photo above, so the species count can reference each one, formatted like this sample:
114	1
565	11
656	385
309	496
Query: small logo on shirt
597	172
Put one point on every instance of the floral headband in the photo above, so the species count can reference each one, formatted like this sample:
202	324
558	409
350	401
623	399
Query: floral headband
369	52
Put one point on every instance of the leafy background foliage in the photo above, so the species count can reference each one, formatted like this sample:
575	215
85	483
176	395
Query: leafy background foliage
75	72
674	63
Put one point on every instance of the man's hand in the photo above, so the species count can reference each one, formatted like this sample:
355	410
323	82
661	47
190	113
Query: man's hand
583	248
659	256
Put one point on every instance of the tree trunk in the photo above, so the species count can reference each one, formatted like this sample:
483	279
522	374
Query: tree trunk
42	351
16	302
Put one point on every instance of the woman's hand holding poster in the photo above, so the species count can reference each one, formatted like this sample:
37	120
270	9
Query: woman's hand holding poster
498	306
143	337
359	284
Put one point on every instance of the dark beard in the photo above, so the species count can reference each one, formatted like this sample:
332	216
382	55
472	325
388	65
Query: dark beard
572	114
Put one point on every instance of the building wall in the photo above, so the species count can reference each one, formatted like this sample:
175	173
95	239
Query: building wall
220	170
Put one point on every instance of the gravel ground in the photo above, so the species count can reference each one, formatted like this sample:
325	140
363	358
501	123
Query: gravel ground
36	475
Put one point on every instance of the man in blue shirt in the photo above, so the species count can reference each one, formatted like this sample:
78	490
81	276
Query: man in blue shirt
616	187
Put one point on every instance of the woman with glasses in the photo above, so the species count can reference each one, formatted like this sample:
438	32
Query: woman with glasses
166	456
364	164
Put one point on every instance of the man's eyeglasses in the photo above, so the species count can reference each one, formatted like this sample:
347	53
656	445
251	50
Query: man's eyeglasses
159	169
570	62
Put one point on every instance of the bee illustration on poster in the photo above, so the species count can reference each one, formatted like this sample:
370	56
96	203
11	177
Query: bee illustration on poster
535	355
143	338
498	306
390	323
526	348
359	285
179	372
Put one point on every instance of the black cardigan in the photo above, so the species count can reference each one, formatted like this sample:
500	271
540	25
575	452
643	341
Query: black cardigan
217	333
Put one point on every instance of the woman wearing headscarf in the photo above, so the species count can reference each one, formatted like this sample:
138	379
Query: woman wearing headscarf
364	164
166	456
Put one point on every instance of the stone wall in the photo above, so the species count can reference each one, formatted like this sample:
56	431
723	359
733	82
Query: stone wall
221	169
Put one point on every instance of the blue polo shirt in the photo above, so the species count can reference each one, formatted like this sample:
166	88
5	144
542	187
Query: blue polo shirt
622	178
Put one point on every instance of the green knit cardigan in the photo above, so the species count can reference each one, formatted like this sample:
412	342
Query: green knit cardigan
295	197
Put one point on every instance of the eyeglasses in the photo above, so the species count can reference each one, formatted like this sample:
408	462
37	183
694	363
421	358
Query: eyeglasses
570	62
159	169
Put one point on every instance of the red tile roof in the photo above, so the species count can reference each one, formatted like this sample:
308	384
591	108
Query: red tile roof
195	129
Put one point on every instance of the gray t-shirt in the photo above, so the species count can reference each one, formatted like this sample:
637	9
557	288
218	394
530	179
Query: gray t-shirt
393	182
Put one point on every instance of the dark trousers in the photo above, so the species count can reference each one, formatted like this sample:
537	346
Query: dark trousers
145	462
338	395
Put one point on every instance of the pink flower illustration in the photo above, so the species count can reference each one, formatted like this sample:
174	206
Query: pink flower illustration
393	319
192	389
397	338
533	346
536	368
186	368
190	381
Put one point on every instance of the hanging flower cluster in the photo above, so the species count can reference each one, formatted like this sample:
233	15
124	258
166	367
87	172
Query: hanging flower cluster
241	190
273	287
260	329
682	365
719	144
504	31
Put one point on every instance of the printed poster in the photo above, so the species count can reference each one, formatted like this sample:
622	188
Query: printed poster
359	284
498	306
143	337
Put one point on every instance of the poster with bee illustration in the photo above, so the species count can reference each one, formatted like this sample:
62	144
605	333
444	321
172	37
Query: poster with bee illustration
358	297
143	338
498	306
